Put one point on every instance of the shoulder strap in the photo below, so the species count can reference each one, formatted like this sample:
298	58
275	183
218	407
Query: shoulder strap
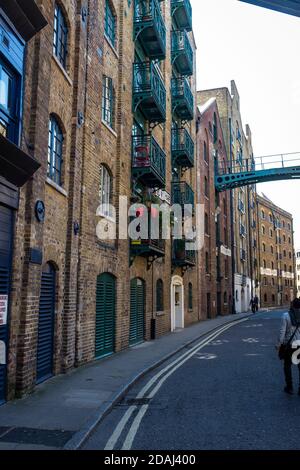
293	336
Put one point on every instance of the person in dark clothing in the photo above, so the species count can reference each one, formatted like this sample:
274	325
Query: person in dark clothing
290	329
254	304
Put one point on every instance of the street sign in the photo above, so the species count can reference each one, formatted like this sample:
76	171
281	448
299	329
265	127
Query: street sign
3	309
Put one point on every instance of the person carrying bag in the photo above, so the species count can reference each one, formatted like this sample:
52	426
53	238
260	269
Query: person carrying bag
289	332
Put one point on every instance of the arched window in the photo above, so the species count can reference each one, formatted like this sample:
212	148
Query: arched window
159	296
272	249
60	39
263	216
105	191
55	151
264	264
264	247
190	296
263	230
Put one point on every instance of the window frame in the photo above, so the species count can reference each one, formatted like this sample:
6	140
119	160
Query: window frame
54	168
110	24
108	102
60	36
105	192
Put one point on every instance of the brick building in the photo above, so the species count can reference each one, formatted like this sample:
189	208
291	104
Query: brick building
108	111
239	151
297	261
276	254
215	266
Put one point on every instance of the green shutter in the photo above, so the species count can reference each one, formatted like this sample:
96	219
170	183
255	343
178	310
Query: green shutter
137	311
105	315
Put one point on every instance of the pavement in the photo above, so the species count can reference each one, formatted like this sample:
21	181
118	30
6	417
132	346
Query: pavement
62	412
223	393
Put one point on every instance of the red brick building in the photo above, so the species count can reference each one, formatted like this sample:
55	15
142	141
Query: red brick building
215	265
109	102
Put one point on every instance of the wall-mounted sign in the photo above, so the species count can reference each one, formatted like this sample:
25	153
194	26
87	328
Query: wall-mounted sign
2	353
3	309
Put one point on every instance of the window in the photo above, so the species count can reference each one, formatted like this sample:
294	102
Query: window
9	103
265	281
290	255
272	265
263	230
205	154
60	40
215	129
206	224
264	247
190	296
284	253
110	23
264	264
55	152
225	298
105	192
273	281
108	101
289	226
207	263
159	296
272	249
263	215
271	233
270	218
206	192
226	268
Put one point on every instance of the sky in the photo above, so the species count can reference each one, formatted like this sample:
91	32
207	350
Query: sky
260	50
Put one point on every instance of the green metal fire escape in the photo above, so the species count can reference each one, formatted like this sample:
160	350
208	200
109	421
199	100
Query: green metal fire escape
258	170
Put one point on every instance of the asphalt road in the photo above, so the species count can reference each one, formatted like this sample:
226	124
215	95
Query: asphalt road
222	393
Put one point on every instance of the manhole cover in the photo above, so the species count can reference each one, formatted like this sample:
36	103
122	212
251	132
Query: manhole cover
135	402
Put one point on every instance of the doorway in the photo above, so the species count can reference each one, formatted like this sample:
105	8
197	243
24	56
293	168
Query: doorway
46	324
177	303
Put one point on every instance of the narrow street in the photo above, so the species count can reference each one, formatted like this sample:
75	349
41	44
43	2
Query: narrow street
223	392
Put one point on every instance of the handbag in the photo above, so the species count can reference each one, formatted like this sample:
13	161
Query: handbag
284	348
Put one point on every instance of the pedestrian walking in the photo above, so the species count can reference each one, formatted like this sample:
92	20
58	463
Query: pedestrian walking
289	333
254	304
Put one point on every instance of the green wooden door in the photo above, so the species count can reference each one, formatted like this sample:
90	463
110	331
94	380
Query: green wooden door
137	311
105	315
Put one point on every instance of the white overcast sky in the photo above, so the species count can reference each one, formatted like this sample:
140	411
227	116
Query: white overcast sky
260	50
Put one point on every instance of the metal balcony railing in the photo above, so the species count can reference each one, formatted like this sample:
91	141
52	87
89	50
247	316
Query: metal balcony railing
182	53
149	91
183	148
183	194
150	29
182	13
181	256
182	99
148	161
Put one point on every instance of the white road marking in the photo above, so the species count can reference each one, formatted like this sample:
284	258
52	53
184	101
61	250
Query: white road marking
137	421
118	431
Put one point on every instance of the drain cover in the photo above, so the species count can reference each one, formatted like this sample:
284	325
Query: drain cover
135	402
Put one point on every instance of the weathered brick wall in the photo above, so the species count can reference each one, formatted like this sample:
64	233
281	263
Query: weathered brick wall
210	283
80	258
275	255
